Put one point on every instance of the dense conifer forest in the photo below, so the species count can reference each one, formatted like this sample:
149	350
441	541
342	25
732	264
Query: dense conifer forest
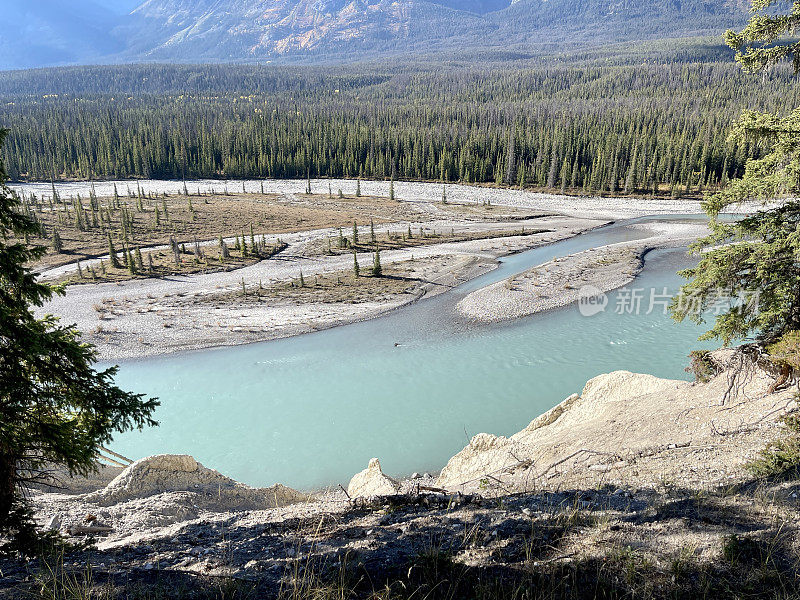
587	124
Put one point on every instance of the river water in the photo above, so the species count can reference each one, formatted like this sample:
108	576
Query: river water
410	388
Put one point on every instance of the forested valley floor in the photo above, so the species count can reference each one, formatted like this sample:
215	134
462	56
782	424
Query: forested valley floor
626	121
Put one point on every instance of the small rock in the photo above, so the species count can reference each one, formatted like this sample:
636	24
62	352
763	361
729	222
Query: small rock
148	566
253	565
415	476
54	524
600	468
527	512
372	482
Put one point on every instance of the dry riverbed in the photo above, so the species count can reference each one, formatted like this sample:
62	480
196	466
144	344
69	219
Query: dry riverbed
562	281
265	300
426	244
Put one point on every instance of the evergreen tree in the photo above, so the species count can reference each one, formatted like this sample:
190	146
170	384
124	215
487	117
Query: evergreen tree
112	252
58	245
358	188
139	261
355	234
755	257
129	261
356	268
377	271
768	38
57	409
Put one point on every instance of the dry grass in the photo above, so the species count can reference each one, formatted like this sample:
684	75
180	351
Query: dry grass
210	216
162	263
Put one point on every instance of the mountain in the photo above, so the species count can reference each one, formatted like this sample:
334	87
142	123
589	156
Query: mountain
223	30
44	32
48	32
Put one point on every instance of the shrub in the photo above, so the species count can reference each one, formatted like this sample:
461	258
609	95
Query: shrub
702	366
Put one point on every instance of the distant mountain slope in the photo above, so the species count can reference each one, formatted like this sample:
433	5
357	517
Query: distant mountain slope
623	19
262	29
50	32
44	32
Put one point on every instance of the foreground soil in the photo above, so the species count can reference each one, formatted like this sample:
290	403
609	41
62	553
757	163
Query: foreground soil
596	543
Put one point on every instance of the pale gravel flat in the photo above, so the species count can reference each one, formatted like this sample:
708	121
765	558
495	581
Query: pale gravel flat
150	316
144	307
578	206
563	281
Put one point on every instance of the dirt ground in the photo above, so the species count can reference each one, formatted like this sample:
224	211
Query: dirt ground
153	220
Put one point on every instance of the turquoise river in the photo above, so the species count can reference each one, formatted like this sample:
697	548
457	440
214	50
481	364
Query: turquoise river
410	387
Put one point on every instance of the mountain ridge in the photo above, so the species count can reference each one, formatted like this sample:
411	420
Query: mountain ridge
184	31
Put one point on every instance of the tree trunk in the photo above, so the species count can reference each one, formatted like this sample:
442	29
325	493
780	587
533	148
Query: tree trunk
783	378
8	484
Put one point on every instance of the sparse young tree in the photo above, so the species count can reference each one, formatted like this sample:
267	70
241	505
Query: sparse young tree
377	270
129	261
58	244
112	253
57	410
139	261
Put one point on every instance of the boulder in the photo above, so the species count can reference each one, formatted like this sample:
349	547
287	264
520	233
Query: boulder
486	453
168	473
372	482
